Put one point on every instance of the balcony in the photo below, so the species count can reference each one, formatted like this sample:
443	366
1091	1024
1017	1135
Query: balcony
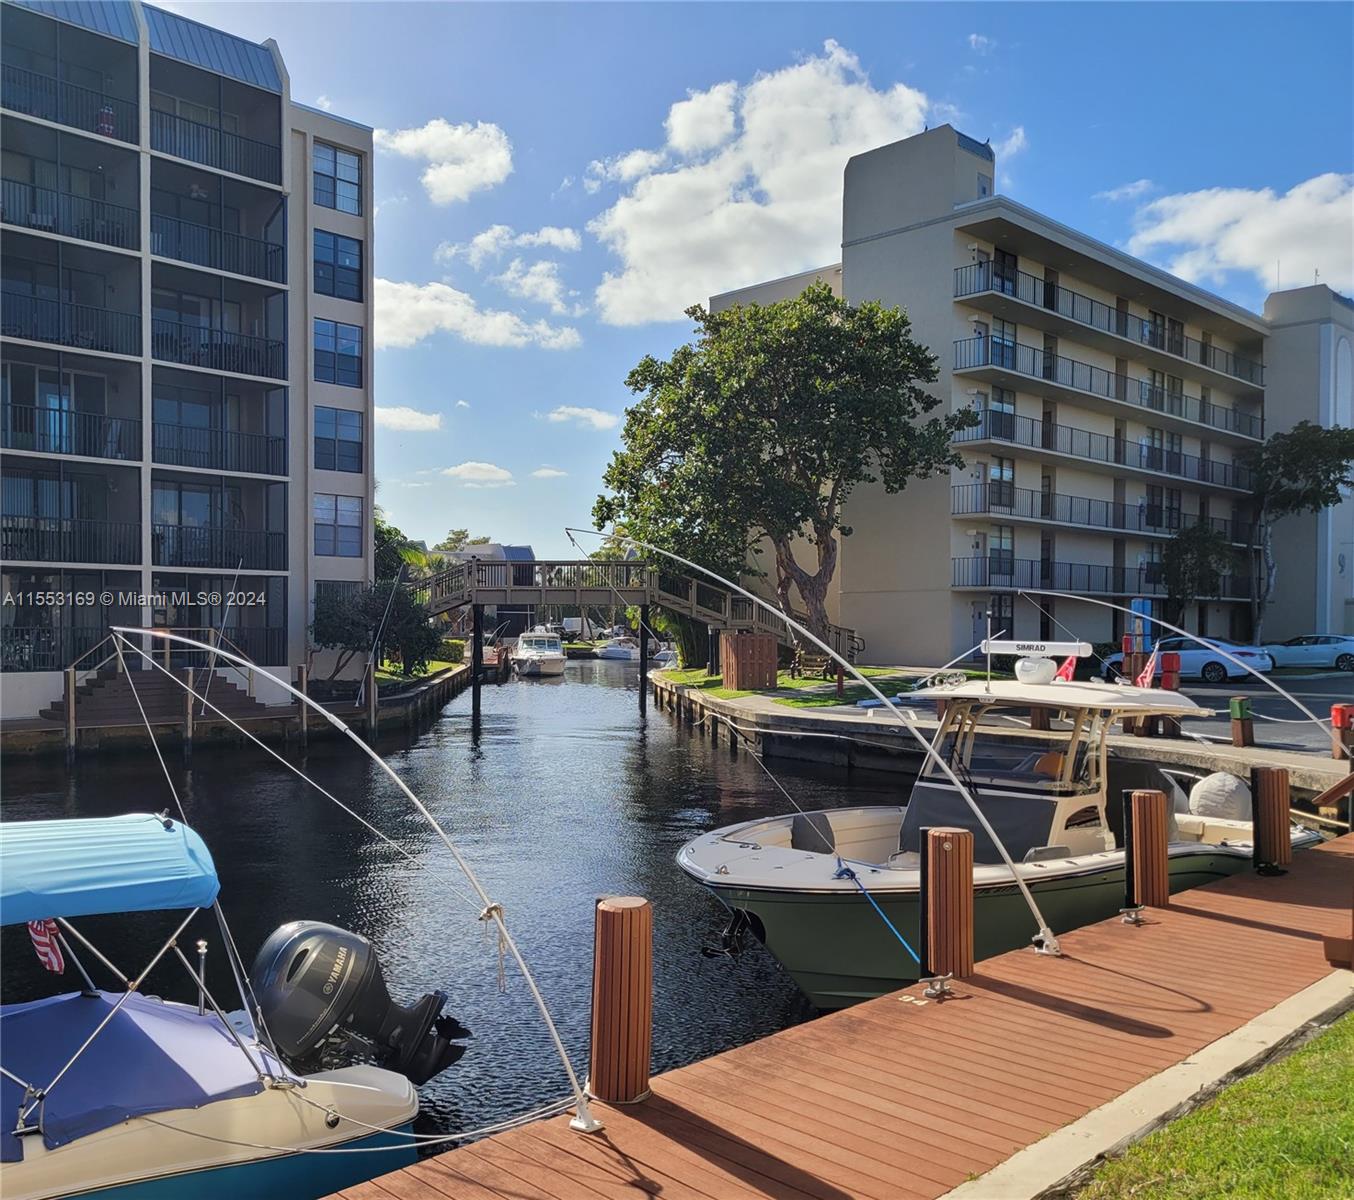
1001	572
208	247
47	647
42	209
217	349
1000	499
1064	440
69	539
977	279
214	546
64	431
212	147
994	358
218	449
79	325
51	99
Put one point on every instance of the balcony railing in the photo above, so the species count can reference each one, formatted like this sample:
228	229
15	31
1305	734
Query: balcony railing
172	134
63	431
208	247
1096	381
65	103
47	647
211	546
1001	499
976	278
1002	572
219	349
61	212
1098	447
69	539
79	325
218	449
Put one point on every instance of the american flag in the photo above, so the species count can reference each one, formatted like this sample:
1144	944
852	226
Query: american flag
46	943
1145	679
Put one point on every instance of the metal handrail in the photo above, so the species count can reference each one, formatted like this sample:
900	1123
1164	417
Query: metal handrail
207	246
69	431
234	152
1035	363
32	207
66	103
975	278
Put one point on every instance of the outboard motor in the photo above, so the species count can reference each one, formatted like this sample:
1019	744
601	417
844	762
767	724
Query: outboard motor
325	1002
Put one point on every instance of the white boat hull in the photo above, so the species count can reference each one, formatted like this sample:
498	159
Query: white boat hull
537	665
213	1151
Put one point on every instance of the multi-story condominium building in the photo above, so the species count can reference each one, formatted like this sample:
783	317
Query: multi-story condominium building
187	356
1112	403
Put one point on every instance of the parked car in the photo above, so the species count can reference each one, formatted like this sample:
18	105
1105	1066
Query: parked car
1314	650
1200	659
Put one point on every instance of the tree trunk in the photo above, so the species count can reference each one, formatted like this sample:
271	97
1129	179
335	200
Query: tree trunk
812	588
1266	582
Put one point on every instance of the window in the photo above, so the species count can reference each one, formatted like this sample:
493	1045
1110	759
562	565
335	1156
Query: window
338	525
1002	414
338	353
338	178
336	593
1001	482
338	440
338	266
984	185
1001	550
1004	341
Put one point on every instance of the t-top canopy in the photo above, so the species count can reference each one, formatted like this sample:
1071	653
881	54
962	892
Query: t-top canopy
1105	697
133	863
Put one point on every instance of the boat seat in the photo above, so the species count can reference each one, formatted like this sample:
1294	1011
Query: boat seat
1046	853
812	832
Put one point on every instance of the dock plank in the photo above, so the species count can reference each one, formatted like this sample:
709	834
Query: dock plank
901	1098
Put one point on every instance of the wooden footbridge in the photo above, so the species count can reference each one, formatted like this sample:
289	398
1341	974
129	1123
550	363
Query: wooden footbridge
599	583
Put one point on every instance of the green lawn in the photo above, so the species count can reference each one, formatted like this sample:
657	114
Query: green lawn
389	673
695	677
1284	1133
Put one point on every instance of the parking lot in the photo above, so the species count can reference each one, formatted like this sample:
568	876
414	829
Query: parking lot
1318	690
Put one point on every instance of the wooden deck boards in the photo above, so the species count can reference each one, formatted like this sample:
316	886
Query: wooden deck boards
901	1099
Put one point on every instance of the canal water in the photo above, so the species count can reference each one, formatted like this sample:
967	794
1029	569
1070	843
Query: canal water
558	794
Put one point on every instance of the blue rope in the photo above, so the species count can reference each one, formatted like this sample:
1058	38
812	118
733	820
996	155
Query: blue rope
845	872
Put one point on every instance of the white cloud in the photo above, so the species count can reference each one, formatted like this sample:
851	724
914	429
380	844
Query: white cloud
462	159
324	102
593	418
407	420
462	403
623	168
1013	143
480	475
539	282
981	44
406	313
492	242
548	473
1126	191
702	121
1204	235
764	203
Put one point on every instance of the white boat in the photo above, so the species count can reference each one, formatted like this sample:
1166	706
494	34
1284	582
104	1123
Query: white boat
623	649
119	1094
807	884
665	657
538	653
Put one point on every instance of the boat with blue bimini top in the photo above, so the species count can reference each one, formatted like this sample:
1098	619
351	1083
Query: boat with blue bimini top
832	894
121	1094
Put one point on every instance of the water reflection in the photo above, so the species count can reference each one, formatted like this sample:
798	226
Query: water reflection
557	794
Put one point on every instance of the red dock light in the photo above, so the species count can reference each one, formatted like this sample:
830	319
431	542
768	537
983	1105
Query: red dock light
1170	671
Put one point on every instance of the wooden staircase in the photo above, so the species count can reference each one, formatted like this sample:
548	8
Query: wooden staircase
106	698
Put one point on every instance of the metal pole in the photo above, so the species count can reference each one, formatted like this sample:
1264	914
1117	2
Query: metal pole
302	686
643	658
201	976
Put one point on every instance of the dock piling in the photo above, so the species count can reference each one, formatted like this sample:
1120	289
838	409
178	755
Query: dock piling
476	652
302	686
371	698
1243	725
1272	848
1147	881
188	698
70	714
946	915
622	1000
643	659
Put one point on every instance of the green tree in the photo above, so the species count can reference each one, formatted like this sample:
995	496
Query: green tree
761	429
350	624
459	539
1303	470
1192	563
393	550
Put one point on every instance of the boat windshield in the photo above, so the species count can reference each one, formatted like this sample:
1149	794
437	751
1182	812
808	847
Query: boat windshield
994	744
544	645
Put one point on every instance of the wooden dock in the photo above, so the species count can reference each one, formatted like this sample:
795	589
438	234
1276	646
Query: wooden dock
900	1098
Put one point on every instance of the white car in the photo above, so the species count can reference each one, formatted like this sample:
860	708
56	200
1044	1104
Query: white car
1199	659
1314	650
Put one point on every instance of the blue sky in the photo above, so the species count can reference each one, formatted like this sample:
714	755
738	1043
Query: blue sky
1211	138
